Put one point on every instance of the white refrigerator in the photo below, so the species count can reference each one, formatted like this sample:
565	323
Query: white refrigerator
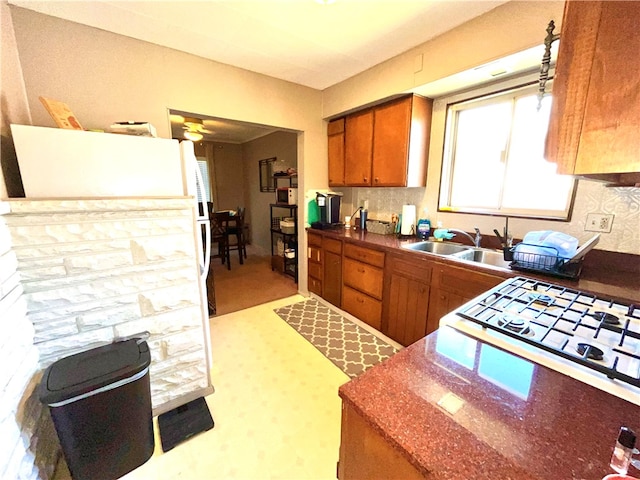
57	163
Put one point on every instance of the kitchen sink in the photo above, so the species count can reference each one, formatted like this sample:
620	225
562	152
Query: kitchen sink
439	248
480	255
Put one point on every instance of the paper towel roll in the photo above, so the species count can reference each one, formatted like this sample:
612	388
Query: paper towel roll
408	220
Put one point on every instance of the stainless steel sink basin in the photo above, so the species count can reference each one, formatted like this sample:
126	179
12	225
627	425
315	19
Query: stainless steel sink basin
439	248
488	257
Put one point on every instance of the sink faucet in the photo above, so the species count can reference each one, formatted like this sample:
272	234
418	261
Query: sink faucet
476	240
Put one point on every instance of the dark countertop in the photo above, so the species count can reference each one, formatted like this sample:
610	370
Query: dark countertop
609	274
526	422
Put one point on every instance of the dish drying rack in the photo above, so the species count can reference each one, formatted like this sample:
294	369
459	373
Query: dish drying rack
553	265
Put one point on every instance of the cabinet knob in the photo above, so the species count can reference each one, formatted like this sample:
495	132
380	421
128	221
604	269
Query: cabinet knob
360	270
359	300
365	179
376	179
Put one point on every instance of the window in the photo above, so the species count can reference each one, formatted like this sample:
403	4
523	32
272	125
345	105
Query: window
204	172
493	158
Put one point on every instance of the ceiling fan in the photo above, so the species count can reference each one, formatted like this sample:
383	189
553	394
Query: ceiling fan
194	129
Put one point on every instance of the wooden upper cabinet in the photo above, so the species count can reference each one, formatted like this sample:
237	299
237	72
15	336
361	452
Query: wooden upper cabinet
400	141
386	145
358	146
595	115
335	142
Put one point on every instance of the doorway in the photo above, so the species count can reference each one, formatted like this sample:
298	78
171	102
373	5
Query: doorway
231	151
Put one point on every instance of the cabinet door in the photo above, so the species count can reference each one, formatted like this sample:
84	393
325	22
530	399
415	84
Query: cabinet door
407	309
441	302
335	143
332	278
365	453
391	128
596	108
358	144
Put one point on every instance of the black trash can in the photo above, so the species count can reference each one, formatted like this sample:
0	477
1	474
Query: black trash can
100	402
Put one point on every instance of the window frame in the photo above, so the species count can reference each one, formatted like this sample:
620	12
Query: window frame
486	95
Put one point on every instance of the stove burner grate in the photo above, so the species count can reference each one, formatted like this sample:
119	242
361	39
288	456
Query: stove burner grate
579	316
541	298
589	351
607	318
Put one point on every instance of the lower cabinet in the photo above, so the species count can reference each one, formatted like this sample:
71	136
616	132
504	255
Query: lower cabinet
332	278
362	306
324	266
362	283
364	453
402	294
406	300
453	286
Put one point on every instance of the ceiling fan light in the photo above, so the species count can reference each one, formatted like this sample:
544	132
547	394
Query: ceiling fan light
193	136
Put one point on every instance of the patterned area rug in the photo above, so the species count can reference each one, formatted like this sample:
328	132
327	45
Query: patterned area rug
347	345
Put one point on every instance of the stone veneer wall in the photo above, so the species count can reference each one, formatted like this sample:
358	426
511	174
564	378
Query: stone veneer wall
91	271
28	443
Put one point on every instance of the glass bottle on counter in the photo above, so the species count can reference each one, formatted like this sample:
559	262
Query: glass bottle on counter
623	450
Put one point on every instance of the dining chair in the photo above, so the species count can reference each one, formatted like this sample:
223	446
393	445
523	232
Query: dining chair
219	234
236	229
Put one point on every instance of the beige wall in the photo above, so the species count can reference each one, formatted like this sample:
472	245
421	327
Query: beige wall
284	146
507	29
13	99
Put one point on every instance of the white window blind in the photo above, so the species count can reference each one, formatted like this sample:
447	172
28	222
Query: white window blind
204	171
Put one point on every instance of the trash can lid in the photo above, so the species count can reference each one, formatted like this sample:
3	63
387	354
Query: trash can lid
93	369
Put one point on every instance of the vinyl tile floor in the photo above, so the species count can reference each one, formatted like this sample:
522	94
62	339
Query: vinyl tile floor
276	407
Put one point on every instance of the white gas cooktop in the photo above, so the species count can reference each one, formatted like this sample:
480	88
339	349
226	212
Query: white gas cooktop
589	338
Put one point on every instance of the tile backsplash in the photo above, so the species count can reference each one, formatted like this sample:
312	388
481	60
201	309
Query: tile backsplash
591	197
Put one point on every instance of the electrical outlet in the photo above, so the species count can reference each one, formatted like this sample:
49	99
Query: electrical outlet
599	222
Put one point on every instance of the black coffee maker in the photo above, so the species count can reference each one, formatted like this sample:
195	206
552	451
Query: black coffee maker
329	208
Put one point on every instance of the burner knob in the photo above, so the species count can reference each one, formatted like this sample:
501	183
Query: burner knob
632	308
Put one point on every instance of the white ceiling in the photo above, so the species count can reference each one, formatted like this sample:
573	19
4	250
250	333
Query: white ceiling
301	41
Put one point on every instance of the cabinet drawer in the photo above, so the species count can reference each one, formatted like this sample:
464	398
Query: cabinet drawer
372	257
314	254
363	277
315	270
315	285
362	306
332	245
314	239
